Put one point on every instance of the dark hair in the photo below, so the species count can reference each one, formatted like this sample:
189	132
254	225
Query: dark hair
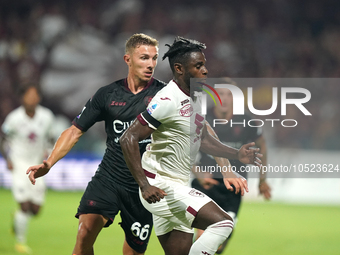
180	50
139	39
23	88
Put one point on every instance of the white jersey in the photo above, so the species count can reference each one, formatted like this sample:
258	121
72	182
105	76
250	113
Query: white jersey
177	136
28	136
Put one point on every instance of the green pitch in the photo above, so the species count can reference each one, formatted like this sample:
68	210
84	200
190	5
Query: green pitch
263	228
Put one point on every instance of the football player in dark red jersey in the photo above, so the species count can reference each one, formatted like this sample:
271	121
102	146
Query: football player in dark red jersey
112	188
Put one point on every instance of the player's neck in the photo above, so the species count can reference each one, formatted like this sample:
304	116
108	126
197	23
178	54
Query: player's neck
183	86
135	85
30	113
223	115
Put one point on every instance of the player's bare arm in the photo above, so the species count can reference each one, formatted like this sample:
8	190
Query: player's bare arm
264	188
219	160
229	177
129	144
205	178
64	144
232	179
214	147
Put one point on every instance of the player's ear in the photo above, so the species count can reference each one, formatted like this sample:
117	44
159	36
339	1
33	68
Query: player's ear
127	59
178	68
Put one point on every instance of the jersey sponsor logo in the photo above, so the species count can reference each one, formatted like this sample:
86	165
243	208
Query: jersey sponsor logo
199	126
196	193
32	137
165	98
152	108
198	121
115	103
185	102
205	253
186	111
120	126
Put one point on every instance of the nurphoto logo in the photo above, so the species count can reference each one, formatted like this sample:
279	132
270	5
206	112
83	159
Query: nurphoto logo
238	103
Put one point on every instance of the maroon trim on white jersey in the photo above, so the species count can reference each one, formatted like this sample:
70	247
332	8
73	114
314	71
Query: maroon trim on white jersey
141	120
181	89
149	174
192	211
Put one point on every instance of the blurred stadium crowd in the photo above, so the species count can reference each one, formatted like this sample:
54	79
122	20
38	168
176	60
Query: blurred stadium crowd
73	47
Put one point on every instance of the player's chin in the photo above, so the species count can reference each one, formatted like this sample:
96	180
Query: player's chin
146	80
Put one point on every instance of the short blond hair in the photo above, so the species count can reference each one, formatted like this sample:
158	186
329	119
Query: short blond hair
139	39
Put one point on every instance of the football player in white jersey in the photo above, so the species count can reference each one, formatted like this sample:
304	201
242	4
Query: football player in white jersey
178	132
26	133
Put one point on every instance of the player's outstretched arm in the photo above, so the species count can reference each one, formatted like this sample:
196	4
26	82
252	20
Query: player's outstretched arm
130	147
230	178
264	188
64	144
205	178
214	147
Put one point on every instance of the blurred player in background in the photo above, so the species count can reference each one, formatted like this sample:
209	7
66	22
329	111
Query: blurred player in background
164	172
26	133
234	136
113	189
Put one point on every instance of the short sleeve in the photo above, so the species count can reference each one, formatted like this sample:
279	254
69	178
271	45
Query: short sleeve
158	111
92	112
7	126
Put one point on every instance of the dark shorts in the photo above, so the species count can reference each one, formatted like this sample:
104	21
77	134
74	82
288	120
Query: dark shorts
107	199
227	200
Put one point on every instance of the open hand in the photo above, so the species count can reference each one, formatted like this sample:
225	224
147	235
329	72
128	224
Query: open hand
38	171
238	182
265	190
249	155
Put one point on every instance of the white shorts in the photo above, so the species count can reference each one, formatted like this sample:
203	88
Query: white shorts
23	190
178	209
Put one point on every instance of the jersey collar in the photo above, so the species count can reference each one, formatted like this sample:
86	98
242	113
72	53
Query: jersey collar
146	87
181	88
